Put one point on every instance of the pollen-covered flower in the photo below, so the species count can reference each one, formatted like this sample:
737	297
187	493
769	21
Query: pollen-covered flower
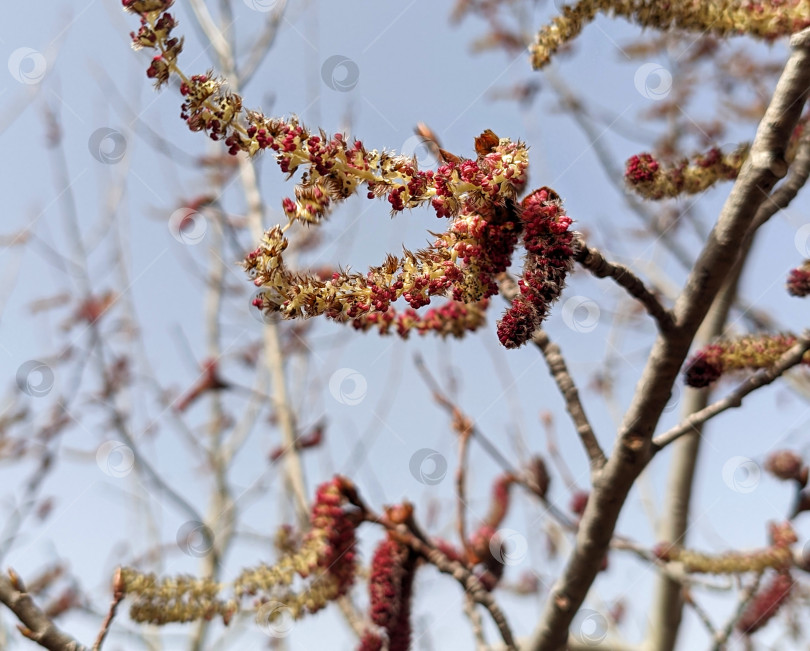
798	283
766	603
172	599
777	556
766	20
326	557
462	264
652	180
390	584
751	352
451	319
549	258
478	195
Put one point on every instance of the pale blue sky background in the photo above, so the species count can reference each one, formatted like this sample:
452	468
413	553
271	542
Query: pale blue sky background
412	66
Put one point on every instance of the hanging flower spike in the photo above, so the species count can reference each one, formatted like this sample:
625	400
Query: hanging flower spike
777	556
766	603
452	318
765	20
462	262
747	353
477	194
648	178
327	556
798	283
390	585
548	244
172	599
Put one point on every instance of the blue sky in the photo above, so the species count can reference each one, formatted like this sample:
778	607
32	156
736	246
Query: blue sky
403	64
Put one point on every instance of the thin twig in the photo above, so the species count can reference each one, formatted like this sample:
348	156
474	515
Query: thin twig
565	383
118	596
761	171
745	598
476	623
410	534
461	474
451	407
700	612
593	260
734	399
263	43
559	371
36	625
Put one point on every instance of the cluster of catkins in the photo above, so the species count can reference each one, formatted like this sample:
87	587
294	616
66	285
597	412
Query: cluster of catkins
325	560
478	196
746	353
765	20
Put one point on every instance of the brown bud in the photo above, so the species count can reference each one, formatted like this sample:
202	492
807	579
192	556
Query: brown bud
787	465
538	476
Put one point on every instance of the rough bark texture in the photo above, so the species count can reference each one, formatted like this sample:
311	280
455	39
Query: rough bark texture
764	167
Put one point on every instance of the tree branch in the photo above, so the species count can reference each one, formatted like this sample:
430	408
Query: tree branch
593	260
37	626
761	171
734	399
565	383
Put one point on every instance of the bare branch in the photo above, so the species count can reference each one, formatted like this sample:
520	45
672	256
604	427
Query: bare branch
764	167
37	626
118	596
411	535
559	371
593	260
745	598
